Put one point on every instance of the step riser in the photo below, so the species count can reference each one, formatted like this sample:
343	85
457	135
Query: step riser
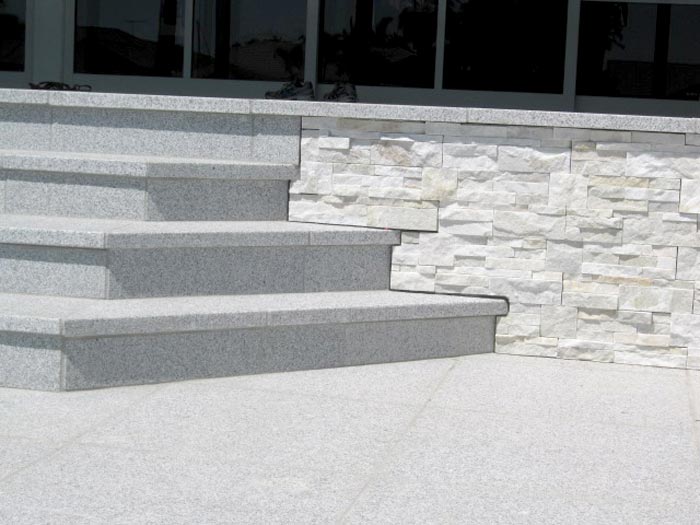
37	363
121	274
159	133
107	197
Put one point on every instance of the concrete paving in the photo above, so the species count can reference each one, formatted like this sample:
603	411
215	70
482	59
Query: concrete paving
479	439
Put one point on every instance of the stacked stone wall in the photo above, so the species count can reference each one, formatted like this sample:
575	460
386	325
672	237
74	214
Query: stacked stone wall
592	234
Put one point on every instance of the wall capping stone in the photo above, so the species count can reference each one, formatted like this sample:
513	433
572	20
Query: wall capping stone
558	119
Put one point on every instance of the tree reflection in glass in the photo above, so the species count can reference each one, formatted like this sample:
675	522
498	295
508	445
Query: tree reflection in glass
505	45
249	39
129	37
12	34
378	42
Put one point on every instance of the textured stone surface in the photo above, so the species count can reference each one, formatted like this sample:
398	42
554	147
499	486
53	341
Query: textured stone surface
30	361
52	271
75	196
216	200
588	224
317	446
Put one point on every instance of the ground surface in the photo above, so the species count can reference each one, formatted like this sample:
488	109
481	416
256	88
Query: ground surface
480	439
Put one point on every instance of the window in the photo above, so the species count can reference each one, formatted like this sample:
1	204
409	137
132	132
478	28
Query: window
129	37
505	45
639	50
12	34
378	42
249	39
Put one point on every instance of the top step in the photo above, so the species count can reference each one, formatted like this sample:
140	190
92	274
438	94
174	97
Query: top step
176	130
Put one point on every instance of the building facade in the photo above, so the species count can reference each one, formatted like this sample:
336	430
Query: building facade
638	57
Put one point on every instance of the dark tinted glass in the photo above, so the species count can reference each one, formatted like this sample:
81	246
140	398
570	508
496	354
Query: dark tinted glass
505	45
378	42
639	50
12	16
129	37
249	39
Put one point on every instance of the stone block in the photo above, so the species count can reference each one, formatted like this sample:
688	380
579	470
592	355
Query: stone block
216	200
174	134
519	159
64	195
402	218
558	321
590	300
528	291
438	184
664	165
685	330
656	231
586	350
470	157
30	361
564	257
437	249
690	196
654	299
42	270
521	224
413	281
567	191
688	268
416	150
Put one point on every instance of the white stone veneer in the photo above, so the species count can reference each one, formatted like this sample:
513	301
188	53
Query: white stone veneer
592	234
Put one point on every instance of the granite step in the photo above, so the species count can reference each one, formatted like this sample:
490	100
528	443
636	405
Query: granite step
142	187
54	343
107	259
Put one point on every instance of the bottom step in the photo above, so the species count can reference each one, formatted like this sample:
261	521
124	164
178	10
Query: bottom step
49	343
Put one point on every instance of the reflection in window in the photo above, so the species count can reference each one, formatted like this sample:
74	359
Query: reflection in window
129	37
249	39
378	42
12	17
639	50
505	45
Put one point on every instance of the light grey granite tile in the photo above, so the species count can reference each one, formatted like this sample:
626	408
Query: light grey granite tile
347	268
169	134
216	200
76	196
29	361
52	271
359	111
276	139
200	271
150	102
25	127
23	96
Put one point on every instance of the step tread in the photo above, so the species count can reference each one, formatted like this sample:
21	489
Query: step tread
143	166
70	317
122	234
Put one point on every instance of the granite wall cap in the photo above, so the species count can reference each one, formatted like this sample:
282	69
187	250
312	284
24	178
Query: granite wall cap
565	119
397	112
23	96
149	102
359	110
